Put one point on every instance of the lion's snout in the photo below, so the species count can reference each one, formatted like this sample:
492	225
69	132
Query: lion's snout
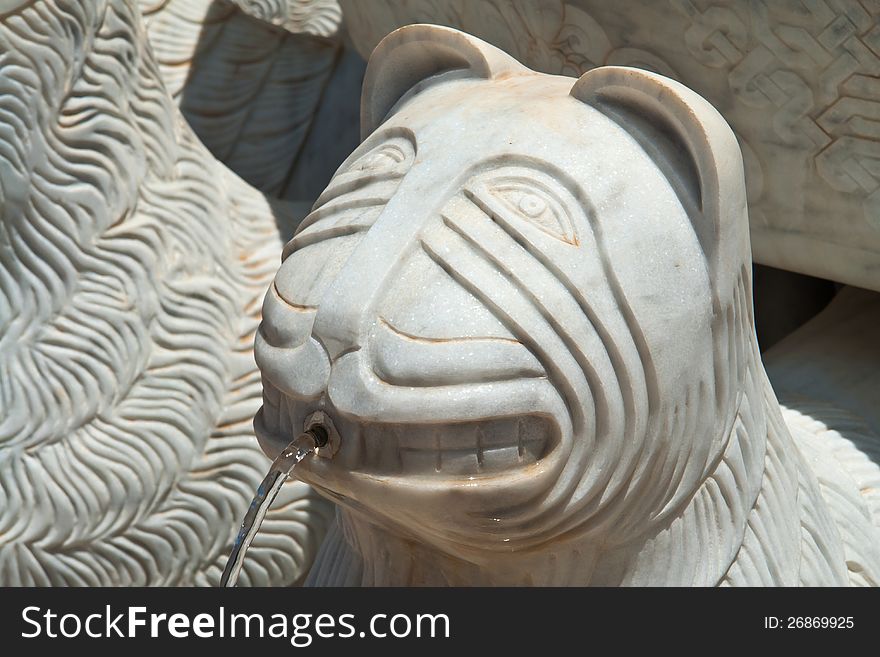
429	383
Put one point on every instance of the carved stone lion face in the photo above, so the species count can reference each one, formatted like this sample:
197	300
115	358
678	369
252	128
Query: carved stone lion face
507	298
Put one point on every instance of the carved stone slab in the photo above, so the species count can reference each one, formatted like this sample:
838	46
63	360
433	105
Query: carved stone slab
797	81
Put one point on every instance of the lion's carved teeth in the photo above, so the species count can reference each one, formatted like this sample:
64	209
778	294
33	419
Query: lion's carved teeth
454	449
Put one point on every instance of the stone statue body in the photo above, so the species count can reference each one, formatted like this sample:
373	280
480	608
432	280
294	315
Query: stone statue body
525	304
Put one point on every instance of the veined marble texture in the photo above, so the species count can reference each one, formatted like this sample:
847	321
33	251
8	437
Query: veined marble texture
525	302
131	270
796	79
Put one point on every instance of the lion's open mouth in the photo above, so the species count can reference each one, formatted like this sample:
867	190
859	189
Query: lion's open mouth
476	448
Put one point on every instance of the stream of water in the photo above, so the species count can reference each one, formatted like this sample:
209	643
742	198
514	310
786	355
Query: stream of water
298	449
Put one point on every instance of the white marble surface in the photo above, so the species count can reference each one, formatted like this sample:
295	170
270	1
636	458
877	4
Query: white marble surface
131	270
796	80
525	303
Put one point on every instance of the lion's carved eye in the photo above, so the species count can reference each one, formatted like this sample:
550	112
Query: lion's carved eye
384	158
532	206
533	202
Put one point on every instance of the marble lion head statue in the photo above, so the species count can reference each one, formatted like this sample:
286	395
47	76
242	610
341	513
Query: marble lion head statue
524	302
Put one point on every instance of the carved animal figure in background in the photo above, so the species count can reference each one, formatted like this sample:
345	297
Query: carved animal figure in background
131	268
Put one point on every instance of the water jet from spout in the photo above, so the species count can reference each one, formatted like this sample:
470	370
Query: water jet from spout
298	449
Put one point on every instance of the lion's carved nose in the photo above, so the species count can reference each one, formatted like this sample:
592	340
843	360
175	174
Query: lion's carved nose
288	356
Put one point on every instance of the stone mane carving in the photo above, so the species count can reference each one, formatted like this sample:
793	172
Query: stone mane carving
249	77
827	376
131	267
525	302
797	80
316	17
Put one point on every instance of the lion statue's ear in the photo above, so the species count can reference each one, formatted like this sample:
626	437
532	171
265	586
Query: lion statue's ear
406	60
703	155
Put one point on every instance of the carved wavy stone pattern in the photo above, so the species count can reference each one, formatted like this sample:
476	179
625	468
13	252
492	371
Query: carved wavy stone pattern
132	266
248	75
797	80
317	17
826	376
